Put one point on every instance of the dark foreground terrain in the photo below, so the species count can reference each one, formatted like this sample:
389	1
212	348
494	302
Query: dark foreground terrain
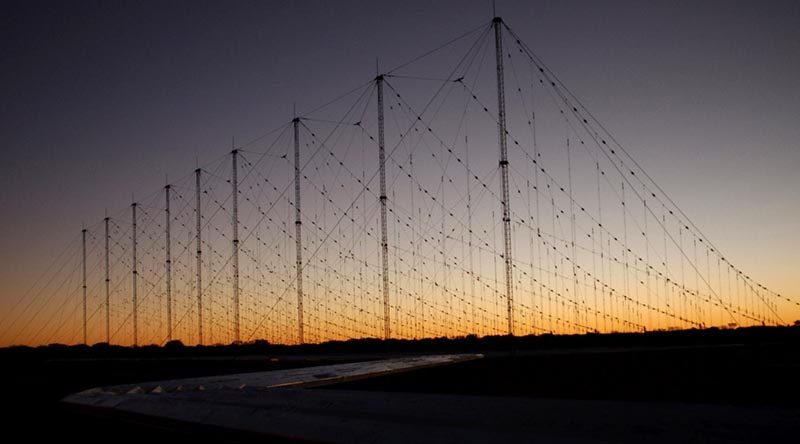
731	374
755	366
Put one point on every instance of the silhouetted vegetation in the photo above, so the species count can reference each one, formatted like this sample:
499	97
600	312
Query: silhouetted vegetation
469	343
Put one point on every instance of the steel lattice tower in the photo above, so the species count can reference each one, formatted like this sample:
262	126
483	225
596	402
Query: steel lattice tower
501	129
134	273
108	284
235	222
384	236
83	244
198	258
168	263
298	230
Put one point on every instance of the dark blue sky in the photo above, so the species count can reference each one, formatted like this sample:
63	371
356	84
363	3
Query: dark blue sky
103	99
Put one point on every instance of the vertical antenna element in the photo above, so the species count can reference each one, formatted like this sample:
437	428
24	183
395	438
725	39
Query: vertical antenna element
469	230
297	230
501	128
168	263
108	281
235	182
133	274
384	237
83	243
198	258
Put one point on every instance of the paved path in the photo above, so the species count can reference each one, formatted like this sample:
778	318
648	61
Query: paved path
278	403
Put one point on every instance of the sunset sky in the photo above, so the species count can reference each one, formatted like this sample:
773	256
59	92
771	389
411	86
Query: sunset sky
105	101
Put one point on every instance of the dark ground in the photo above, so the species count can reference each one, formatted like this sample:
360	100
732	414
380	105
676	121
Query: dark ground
743	366
35	384
729	374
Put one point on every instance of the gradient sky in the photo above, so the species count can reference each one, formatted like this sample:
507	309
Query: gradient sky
104	99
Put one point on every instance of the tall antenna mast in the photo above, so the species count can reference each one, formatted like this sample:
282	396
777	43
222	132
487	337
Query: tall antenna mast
501	129
198	257
297	230
384	237
469	241
108	281
168	263
133	274
83	243
235	183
